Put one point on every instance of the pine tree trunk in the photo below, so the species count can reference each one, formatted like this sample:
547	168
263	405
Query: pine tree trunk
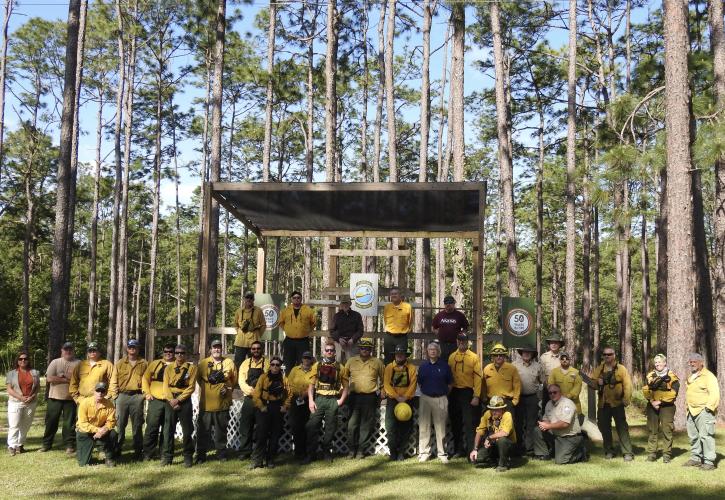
662	252
377	147
225	259
705	328
570	265
586	335
331	91
309	147
390	95
177	215
271	36
60	273
596	312
204	176
92	286
9	4
644	260
680	271
504	153
440	264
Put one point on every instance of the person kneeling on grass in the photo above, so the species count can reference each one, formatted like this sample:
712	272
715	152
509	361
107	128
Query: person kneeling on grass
96	422
495	436
559	429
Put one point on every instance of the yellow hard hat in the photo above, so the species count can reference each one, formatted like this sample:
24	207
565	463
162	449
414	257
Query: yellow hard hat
403	412
499	349
496	403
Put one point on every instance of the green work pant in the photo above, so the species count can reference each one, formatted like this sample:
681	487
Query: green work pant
499	451
85	444
567	449
464	418
390	342
604	422
185	416
397	432
268	431
327	409
527	415
362	420
660	421
297	418
130	405
701	431
67	410
208	420
155	417
246	426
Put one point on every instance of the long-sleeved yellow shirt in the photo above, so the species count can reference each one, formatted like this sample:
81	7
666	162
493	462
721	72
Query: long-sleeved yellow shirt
244	375
300	326
665	392
211	398
504	382
466	368
271	390
702	392
256	327
153	379
365	376
299	380
179	381
85	377
570	383
126	376
617	389
400	380
91	417
398	319
491	425
330	379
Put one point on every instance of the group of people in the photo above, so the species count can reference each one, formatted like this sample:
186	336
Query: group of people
529	406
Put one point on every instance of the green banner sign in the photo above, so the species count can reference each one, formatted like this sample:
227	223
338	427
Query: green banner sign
519	322
271	305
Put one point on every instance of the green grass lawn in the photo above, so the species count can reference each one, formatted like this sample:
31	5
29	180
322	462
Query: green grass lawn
36	475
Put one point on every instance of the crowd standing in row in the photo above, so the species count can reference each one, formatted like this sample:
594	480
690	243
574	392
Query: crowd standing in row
531	406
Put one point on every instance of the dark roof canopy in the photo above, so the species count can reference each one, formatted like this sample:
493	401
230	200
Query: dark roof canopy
436	210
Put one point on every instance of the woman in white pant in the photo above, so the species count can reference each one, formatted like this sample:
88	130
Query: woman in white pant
22	383
435	380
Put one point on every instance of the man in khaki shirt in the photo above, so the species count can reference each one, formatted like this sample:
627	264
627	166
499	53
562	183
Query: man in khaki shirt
559	429
366	380
60	402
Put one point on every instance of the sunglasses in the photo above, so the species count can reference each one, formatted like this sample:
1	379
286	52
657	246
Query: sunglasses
553	392
275	364
23	359
101	392
92	350
168	352
180	353
365	348
329	350
609	354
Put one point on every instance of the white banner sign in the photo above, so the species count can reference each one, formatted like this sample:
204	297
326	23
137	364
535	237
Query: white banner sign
364	293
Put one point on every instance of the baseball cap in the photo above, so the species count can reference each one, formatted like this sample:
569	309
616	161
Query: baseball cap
307	354
132	343
92	346
249	295
449	300
68	345
216	342
462	336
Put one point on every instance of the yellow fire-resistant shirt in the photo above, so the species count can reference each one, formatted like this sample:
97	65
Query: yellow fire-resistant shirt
400	380
210	398
570	382
300	326
398	319
299	380
503	382
179	381
127	377
466	368
250	363
702	392
92	418
85	377
665	392
492	426
262	392
329	378
365	376
153	379
617	388
256	327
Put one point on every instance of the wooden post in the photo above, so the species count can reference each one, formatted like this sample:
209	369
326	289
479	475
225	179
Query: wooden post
479	269
205	244
334	245
261	264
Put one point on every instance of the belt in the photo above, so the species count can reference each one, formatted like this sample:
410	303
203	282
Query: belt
374	393
131	393
397	334
434	395
571	436
326	396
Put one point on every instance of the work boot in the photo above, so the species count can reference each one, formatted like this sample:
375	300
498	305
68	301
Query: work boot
501	468
666	459
652	457
692	463
110	462
351	454
255	465
707	467
609	456
630	458
188	462
271	464
307	460
11	451
70	452
200	458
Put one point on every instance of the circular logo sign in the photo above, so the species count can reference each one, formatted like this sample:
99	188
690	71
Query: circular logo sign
519	322
271	315
363	295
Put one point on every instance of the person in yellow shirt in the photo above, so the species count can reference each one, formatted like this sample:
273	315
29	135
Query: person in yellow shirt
568	379
366	380
297	320
272	398
249	373
660	391
501	378
88	373
464	404
327	393
299	379
614	385
495	437
703	398
96	423
250	324
398	319
126	384
400	381
179	385
156	411
216	377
